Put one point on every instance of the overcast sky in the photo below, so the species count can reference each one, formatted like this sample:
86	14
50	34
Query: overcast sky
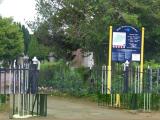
20	10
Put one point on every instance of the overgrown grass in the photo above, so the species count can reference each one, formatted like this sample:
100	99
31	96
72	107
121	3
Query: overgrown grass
3	103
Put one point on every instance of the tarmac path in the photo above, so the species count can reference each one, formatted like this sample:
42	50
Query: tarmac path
60	108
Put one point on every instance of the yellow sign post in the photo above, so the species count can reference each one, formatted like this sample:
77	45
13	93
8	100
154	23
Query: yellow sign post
142	57
109	62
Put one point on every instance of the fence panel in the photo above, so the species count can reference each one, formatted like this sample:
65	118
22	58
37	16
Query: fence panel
126	90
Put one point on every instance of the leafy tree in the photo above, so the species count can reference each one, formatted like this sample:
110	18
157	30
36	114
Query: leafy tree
11	40
36	49
73	24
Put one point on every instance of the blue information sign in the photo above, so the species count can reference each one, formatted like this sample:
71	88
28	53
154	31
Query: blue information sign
126	44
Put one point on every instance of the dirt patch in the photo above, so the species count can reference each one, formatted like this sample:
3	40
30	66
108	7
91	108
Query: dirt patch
60	108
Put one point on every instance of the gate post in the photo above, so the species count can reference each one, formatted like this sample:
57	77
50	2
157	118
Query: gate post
43	105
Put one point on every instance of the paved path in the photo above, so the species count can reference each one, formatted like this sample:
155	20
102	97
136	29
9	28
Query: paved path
74	109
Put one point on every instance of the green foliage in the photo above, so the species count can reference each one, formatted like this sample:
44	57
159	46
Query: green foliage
152	64
66	80
11	40
3	98
3	101
38	50
72	24
26	37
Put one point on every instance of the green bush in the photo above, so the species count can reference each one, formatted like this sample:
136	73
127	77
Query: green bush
3	99
152	64
58	76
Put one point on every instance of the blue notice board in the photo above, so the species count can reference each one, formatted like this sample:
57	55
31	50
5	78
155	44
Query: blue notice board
126	44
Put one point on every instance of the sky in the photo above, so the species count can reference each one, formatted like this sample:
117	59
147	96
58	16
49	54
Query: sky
20	10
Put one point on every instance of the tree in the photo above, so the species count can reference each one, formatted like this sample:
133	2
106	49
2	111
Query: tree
38	50
11	40
26	37
65	35
84	24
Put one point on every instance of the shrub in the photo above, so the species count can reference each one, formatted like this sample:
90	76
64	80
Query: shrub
58	76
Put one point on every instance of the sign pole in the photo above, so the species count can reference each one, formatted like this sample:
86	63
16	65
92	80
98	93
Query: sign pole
109	62
142	57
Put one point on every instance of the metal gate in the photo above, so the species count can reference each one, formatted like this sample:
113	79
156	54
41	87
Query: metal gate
21	84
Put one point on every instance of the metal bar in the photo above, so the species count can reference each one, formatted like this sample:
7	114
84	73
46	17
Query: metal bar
38	103
102	87
144	102
105	80
149	107
10	79
10	107
19	91
29	102
147	101
14	104
46	105
135	87
137	79
157	79
23	104
21	79
5	81
18	104
0	81
24	81
150	80
34	102
14	82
